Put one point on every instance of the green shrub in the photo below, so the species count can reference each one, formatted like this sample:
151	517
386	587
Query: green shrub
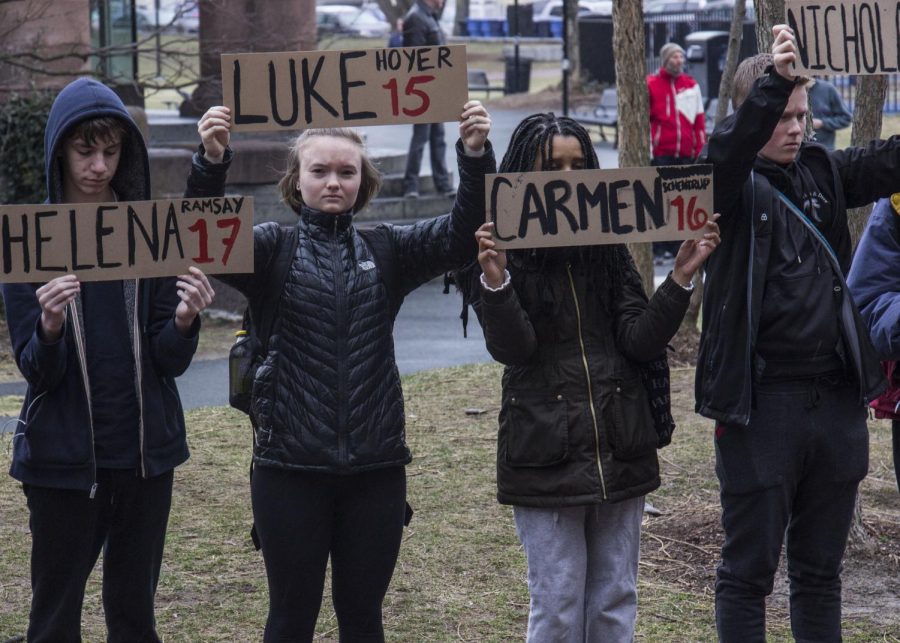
22	121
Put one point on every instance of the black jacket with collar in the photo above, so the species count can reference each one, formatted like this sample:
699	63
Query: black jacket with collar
421	27
727	364
327	397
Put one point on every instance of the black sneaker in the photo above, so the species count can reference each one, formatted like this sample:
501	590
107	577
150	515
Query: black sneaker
448	192
411	194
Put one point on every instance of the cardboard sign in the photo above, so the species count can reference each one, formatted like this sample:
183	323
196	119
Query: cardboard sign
297	90
845	36
588	207
125	240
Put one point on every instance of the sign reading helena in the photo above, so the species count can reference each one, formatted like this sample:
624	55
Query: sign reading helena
845	36
102	241
297	90
588	207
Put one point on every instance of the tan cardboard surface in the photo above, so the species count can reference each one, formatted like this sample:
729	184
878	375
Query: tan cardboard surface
845	36
297	90
587	207
128	239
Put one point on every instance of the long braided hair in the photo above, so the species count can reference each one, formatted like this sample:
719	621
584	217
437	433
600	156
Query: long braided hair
606	267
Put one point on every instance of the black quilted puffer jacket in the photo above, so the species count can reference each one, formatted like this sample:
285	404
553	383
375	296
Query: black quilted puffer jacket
328	397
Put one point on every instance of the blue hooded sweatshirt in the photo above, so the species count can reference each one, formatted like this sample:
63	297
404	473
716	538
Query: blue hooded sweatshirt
54	441
874	278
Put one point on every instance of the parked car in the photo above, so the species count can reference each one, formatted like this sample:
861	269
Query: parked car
365	21
553	10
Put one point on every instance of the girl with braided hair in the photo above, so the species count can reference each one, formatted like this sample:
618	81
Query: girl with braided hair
585	400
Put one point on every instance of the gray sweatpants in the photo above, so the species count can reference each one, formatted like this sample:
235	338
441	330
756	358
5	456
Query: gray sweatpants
582	571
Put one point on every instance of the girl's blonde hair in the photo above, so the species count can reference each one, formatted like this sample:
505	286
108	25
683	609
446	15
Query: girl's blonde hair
371	177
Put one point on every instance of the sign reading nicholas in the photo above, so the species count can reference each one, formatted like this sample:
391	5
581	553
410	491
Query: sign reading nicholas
102	241
845	36
587	207
297	90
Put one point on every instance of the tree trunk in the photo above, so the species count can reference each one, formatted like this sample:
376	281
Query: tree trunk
735	37
768	14
572	54
867	116
631	87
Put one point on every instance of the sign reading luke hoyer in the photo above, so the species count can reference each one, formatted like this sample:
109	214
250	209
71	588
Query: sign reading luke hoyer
845	36
296	90
587	207
102	241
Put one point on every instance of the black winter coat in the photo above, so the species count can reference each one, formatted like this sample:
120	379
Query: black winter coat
327	397
727	364
575	422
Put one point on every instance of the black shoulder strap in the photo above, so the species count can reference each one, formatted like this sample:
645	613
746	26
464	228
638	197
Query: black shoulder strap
284	255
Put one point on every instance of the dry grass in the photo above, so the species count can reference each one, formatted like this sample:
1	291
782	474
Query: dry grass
461	574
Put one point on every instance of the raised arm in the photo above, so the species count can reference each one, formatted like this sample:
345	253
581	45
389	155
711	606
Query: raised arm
429	248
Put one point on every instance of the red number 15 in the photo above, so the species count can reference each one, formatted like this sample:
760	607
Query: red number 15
409	91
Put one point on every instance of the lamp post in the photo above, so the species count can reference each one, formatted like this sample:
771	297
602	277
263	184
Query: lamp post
565	58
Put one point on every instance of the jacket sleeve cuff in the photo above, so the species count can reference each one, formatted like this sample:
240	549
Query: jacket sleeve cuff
485	159
675	291
499	297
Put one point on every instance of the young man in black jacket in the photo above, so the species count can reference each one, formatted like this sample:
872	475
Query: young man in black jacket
785	365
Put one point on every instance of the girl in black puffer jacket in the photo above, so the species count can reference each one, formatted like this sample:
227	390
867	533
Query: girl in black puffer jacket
577	444
330	445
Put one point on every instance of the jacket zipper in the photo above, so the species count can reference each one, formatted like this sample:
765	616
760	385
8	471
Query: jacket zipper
139	373
82	365
340	305
587	376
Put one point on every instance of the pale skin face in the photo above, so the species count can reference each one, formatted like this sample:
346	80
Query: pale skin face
675	63
88	169
785	141
330	173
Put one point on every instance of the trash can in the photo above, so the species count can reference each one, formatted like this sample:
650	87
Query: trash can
517	80
705	57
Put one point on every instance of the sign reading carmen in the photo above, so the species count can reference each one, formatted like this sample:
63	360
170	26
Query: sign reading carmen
845	36
296	90
102	241
587	207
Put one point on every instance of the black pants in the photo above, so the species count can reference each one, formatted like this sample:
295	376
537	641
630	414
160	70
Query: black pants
303	517
127	519
793	472
433	134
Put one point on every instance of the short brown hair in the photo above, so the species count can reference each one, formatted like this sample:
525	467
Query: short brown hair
371	177
748	71
102	128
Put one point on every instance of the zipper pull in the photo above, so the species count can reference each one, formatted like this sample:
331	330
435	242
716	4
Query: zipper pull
93	490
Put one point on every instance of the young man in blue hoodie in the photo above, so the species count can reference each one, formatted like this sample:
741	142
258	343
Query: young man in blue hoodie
101	428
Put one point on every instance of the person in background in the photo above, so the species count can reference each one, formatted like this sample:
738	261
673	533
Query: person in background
421	29
677	120
828	111
578	426
101	429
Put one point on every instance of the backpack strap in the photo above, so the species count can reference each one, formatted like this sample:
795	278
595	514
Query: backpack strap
284	255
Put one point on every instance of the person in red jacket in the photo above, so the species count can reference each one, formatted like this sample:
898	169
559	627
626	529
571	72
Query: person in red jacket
677	122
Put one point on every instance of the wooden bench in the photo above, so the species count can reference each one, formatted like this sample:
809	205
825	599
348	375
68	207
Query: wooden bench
478	82
605	114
